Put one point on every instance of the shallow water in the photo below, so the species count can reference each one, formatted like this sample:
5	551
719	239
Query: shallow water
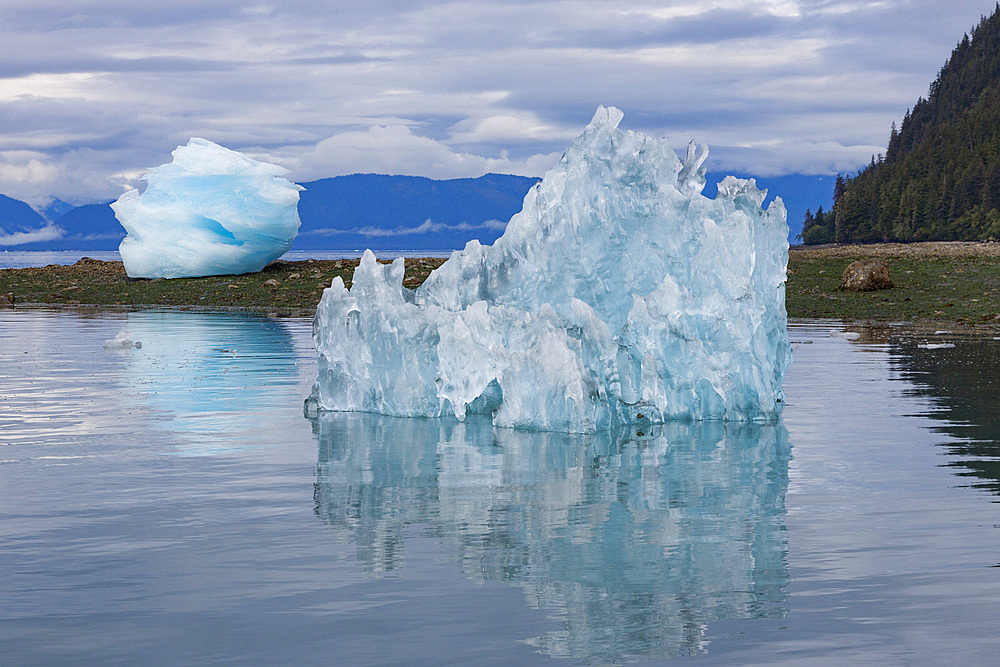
171	504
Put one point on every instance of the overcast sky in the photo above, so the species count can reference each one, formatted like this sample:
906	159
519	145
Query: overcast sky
92	93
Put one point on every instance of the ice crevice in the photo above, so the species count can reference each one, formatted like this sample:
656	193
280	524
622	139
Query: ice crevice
618	295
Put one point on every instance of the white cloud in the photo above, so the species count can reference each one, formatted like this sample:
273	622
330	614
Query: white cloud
70	85
508	128
47	233
426	227
24	167
397	150
675	10
78	177
29	174
799	158
92	95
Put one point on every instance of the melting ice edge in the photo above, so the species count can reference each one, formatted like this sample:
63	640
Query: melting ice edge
618	295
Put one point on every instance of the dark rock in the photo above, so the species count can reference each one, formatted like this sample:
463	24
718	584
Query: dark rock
866	275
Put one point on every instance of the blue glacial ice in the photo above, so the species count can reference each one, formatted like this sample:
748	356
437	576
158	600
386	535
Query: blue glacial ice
618	295
211	211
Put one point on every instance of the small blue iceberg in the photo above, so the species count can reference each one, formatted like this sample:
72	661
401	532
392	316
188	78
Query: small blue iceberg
211	211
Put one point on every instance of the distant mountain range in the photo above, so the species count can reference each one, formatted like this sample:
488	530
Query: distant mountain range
406	212
384	213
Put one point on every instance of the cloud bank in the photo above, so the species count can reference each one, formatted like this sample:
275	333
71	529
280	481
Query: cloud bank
426	227
47	233
94	92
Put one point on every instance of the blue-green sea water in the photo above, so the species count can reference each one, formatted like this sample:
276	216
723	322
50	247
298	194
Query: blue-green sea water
170	504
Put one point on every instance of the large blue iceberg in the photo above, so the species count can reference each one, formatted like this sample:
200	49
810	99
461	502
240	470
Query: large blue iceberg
618	295
211	211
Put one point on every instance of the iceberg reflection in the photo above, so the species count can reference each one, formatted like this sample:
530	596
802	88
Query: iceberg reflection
634	543
215	378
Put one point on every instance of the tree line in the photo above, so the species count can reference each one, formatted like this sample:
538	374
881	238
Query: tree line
940	176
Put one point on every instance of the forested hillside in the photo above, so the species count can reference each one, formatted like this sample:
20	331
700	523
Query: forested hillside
940	176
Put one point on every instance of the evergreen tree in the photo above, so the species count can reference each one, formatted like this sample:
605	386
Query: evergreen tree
940	176
817	228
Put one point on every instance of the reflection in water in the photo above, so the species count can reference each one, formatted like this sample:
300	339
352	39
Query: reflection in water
213	375
963	382
633	543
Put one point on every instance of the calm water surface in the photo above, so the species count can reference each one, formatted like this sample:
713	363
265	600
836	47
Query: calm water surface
170	504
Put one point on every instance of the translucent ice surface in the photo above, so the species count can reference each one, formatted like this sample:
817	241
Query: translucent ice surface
618	295
211	211
122	341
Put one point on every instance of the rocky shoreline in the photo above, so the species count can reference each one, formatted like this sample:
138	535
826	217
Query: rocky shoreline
285	289
949	282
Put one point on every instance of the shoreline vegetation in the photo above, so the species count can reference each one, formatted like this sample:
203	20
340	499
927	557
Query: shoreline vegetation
954	282
949	282
940	175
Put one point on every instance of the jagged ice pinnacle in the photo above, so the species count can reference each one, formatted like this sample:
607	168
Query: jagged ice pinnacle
618	295
211	211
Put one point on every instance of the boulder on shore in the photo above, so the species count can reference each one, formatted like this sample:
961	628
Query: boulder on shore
866	275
